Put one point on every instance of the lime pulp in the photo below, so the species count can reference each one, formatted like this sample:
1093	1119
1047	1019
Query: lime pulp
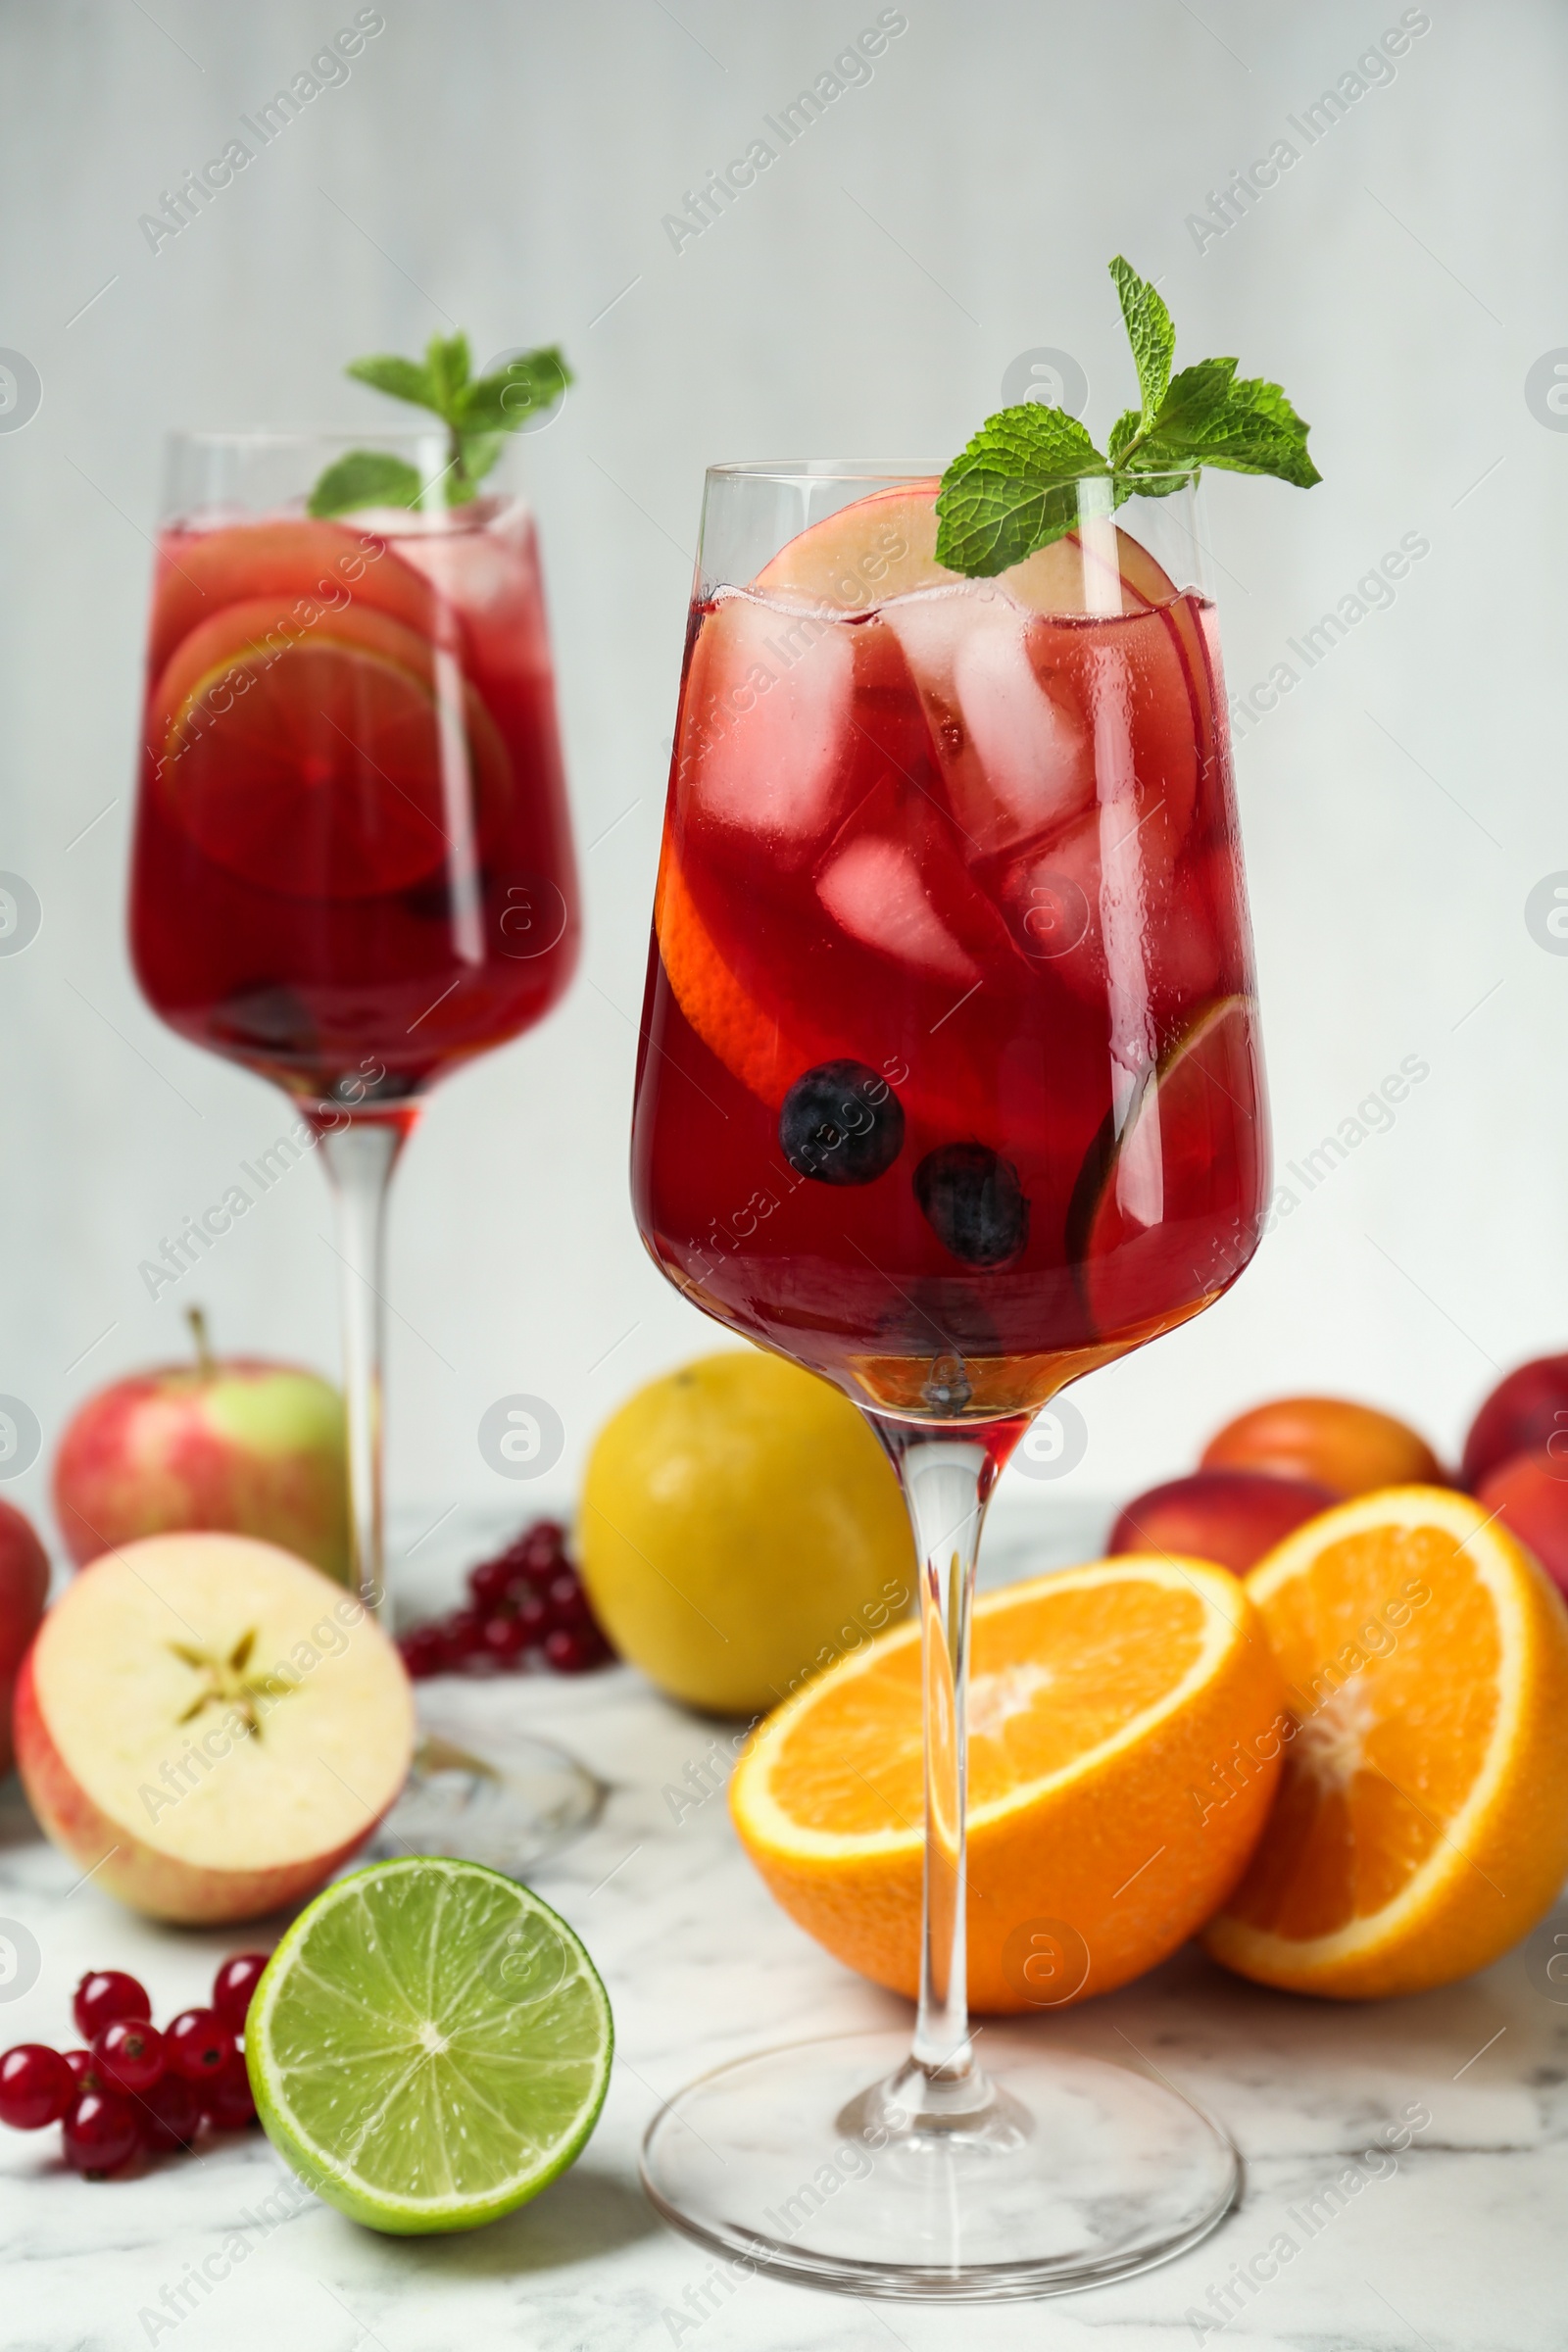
429	2045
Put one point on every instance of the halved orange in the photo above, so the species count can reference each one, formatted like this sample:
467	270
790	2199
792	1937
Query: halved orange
1421	1825
1101	1700
324	763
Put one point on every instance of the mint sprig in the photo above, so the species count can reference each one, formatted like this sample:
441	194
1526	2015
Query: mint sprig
1015	488
478	413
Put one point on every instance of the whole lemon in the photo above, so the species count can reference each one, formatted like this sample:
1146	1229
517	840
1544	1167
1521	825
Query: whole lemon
741	1528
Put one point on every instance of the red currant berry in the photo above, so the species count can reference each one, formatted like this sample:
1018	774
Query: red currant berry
233	1985
571	1650
423	1651
539	1553
36	2086
129	2055
103	1995
197	2044
228	2100
567	1602
100	2132
505	1640
490	1582
81	2073
170	2115
462	1633
535	1620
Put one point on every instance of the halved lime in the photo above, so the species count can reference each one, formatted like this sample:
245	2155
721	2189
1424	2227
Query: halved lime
429	2045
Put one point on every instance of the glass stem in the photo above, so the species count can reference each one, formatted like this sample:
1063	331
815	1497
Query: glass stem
360	1156
947	1480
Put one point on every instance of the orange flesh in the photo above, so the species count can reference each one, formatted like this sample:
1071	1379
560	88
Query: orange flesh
1053	1677
1387	1752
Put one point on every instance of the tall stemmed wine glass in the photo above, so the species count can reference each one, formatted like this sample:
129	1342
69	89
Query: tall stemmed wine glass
353	865
950	1089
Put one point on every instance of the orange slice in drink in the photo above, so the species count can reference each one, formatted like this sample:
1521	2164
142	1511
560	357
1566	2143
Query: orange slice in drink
1141	1193
1421	1825
726	1016
326	762
1100	1700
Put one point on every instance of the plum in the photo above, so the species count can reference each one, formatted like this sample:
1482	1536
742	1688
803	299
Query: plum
1232	1516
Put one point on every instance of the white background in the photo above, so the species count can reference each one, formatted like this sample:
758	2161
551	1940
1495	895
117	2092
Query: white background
506	167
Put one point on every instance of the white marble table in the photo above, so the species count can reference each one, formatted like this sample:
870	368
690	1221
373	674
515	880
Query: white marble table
1459	2244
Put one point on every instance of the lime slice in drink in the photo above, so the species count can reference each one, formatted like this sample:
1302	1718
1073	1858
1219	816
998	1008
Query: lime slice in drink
1153	1225
429	2045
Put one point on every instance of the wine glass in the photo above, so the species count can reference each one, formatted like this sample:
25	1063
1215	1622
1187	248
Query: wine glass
353	871
950	1089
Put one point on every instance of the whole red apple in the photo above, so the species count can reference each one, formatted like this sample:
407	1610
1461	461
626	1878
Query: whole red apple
242	1445
1526	1413
1232	1516
1530	1495
24	1584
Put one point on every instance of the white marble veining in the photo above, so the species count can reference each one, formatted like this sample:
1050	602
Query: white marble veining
1456	2244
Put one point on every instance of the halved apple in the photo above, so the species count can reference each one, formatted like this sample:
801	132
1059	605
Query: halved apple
209	1726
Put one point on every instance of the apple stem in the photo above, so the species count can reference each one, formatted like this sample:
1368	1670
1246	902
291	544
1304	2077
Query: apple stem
206	1361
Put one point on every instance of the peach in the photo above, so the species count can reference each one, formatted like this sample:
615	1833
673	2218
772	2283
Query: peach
1524	1414
1231	1516
1530	1494
1350	1449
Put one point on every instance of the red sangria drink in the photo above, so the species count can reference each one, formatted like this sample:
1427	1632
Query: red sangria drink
353	865
950	1089
950	1084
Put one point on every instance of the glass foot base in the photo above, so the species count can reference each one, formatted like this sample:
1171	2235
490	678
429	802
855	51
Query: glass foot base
830	2164
510	1810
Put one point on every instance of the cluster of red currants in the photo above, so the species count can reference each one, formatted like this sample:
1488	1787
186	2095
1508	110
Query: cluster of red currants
133	2089
526	1608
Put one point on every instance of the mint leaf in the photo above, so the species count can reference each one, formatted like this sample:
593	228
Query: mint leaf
1149	331
478	417
1259	432
366	477
1014	489
404	379
480	453
448	367
1208	418
502	402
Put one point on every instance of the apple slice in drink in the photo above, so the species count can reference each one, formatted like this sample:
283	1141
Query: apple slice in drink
884	546
209	1726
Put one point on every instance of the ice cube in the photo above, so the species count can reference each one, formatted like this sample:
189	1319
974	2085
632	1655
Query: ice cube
765	730
873	890
1014	749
